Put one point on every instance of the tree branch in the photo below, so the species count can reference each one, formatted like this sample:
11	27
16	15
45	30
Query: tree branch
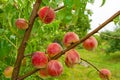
88	35
22	47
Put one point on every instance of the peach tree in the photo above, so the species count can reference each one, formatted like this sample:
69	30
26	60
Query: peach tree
41	31
112	38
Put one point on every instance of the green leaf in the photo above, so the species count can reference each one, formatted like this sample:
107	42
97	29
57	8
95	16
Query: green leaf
1	11
117	21
103	2
45	1
68	3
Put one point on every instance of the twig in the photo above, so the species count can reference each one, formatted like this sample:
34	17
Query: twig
28	74
59	8
90	64
75	44
10	41
95	68
22	47
54	10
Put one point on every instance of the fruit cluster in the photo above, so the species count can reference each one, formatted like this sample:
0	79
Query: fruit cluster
55	67
72	57
42	60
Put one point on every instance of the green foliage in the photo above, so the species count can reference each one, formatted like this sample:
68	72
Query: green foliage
73	17
112	39
117	21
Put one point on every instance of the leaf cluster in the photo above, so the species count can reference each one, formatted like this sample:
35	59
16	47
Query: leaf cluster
112	38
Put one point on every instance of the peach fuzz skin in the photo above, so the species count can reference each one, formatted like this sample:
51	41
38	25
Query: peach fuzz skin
46	14
54	68
39	59
8	72
53	49
104	74
90	44
21	23
71	58
70	38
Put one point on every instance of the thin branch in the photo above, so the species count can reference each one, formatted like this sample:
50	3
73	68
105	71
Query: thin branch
59	8
94	67
77	43
90	64
28	74
22	47
10	41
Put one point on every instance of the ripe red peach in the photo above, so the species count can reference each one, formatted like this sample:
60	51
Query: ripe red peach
46	14
54	68
8	72
71	58
39	59
53	49
104	74
90	44
70	38
43	73
21	23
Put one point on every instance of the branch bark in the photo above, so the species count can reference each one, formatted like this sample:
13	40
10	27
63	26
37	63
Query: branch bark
22	47
77	43
28	74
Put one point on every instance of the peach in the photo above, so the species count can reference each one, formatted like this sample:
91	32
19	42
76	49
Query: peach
43	73
21	23
46	14
53	49
90	44
54	68
70	38
8	72
39	59
71	58
104	74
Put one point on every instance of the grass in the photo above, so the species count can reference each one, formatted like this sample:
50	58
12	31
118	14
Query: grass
100	60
